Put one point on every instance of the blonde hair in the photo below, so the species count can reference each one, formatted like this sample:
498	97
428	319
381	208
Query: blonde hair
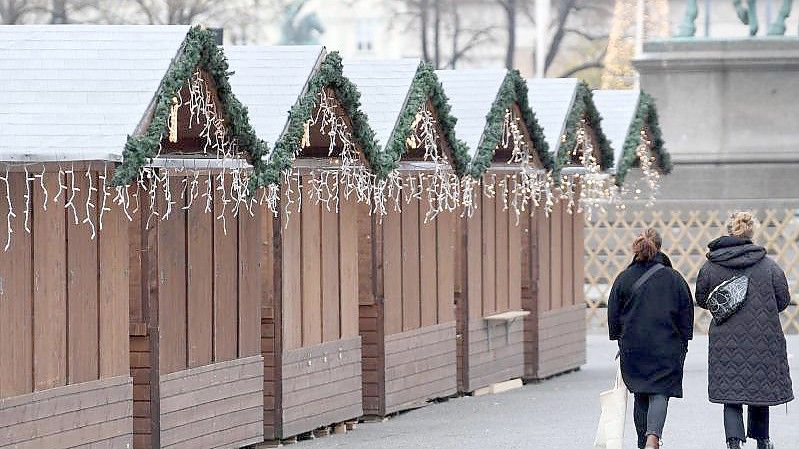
741	224
647	245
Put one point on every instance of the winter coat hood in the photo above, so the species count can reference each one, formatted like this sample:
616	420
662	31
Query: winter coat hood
735	253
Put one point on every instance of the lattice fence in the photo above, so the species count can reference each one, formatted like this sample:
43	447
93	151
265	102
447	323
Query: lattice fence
608	238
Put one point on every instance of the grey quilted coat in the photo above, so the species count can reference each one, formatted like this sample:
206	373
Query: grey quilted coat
748	358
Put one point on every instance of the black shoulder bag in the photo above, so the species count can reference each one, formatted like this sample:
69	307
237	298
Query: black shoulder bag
728	297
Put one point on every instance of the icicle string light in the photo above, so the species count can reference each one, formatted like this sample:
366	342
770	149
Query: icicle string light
10	215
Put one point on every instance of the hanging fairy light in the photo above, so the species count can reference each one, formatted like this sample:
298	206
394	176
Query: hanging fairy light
648	185
530	184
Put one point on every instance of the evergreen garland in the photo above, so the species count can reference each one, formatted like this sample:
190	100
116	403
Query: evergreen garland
199	49
512	90
425	85
646	117
289	144
583	106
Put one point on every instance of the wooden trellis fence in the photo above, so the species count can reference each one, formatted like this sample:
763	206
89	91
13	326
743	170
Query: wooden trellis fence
685	236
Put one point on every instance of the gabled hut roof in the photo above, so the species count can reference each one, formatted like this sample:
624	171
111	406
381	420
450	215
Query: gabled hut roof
559	104
624	114
393	92
270	80
75	92
479	98
280	84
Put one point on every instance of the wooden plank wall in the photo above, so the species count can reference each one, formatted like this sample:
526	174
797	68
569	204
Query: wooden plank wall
197	286
420	366
320	266
310	307
216	405
208	304
63	316
493	258
97	413
418	268
322	385
407	287
555	331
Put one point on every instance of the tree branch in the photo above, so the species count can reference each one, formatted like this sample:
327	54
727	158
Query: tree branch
564	11
586	35
579	68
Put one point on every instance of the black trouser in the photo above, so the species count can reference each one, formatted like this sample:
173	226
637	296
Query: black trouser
649	414
757	422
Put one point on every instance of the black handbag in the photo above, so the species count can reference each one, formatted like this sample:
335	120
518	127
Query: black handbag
728	297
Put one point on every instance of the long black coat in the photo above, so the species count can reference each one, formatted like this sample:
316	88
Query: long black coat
748	360
653	327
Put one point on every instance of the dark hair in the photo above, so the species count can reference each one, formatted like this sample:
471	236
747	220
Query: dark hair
647	245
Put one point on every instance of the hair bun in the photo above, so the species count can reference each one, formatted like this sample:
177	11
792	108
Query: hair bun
741	224
647	245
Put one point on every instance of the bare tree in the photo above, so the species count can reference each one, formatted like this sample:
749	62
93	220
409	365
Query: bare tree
439	22
510	7
15	11
474	37
562	28
172	12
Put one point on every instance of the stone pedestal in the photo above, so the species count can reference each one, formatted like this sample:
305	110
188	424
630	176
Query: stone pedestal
729	110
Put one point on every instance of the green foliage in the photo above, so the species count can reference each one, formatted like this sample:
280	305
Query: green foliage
584	107
646	117
426	86
199	49
512	90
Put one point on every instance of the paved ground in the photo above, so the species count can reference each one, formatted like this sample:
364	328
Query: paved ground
559	413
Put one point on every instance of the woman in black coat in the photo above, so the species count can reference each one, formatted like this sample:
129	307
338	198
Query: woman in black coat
748	361
651	314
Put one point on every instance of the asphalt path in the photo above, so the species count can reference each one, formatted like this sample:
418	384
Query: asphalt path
560	413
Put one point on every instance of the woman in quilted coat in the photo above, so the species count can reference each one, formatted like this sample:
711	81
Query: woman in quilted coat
748	362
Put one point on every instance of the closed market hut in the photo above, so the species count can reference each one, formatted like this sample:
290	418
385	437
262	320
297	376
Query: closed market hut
194	284
406	271
555	332
509	157
630	121
300	101
64	378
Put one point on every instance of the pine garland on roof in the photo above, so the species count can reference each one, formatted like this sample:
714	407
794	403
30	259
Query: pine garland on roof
583	106
512	90
646	117
289	144
199	49
425	85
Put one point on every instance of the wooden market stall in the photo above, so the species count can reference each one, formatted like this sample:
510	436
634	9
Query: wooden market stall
555	331
406	266
195	294
630	121
64	379
299	100
508	153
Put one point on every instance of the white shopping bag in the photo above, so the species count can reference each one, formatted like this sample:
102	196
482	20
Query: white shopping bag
610	432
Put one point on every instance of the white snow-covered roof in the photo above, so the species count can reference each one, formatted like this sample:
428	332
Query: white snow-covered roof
471	94
269	80
618	109
384	86
551	99
75	92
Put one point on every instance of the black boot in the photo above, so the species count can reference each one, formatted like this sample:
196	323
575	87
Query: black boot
734	443
765	444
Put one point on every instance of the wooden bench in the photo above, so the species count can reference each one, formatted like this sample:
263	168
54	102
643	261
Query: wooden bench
506	318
